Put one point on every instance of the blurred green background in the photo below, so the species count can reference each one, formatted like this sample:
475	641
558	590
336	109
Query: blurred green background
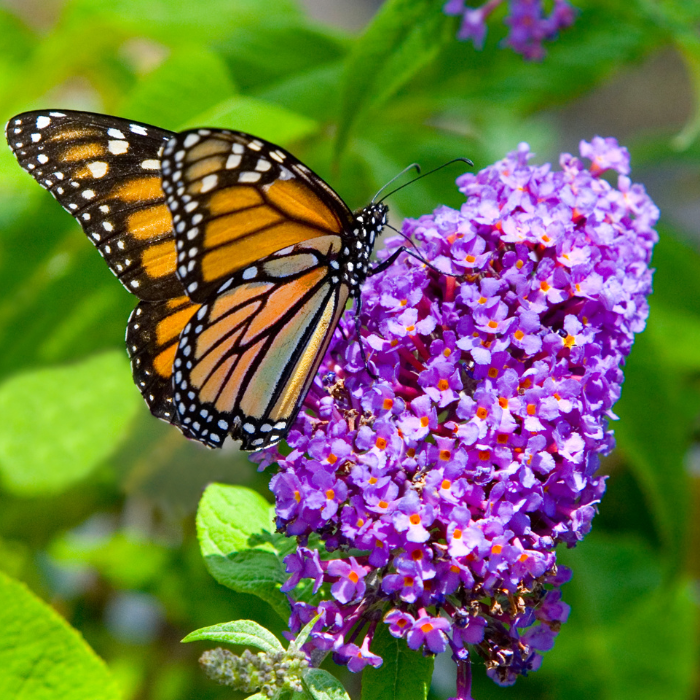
97	498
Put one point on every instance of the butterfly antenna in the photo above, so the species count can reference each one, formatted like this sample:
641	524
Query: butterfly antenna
415	179
396	177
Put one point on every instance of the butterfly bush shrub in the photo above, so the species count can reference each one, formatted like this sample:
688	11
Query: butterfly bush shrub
452	478
529	24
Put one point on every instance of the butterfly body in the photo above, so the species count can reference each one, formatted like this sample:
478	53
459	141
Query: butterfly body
242	257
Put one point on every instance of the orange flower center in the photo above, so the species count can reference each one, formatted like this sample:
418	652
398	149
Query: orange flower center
443	385
446	483
403	302
360	522
496	549
408	581
416	555
457	534
531	409
447	352
388	403
410	452
332	459
519	264
484	455
482	413
493	372
544	285
503	402
425	628
424	421
502	439
353	577
519	335
482	300
330	494
415	519
470	258
381	443
383	504
410	329
297	496
523	558
445	455
373	480
493	324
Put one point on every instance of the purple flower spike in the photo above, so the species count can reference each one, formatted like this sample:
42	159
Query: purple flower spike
529	25
453	478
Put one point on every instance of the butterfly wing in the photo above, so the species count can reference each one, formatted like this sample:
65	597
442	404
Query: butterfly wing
105	171
247	358
152	337
236	199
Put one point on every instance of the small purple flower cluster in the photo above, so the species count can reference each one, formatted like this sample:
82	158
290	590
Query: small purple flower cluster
452	478
529	25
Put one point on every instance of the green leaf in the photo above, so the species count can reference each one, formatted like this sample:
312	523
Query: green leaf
634	633
403	37
301	638
41	656
255	116
61	423
190	81
404	675
322	685
243	632
231	521
127	562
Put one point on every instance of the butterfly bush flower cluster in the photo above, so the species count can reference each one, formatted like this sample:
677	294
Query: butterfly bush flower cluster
443	487
529	25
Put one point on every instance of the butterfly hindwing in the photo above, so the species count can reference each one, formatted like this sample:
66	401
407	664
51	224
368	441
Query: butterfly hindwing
105	171
152	336
236	199
247	357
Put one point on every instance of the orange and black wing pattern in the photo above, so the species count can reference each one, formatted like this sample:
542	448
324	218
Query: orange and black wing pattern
105	171
248	356
152	338
236	199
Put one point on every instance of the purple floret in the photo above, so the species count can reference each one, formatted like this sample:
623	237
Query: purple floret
529	25
453	477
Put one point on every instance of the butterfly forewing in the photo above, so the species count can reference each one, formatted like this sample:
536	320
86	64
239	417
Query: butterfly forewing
247	357
105	171
235	199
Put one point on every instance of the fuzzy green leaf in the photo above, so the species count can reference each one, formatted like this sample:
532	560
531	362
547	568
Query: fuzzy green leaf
243	632
321	685
61	423
41	656
231	525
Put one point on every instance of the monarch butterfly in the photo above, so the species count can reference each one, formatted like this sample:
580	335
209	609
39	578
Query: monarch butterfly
242	258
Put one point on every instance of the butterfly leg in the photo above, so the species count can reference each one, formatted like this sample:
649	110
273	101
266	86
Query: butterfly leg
358	330
380	267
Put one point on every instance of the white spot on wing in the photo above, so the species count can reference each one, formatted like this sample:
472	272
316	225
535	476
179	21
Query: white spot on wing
88	194
150	164
98	168
210	181
117	148
191	140
42	122
248	176
138	129
115	133
233	162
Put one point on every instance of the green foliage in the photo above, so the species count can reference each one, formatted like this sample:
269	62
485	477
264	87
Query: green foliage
321	685
57	427
404	675
231	523
243	632
42	657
